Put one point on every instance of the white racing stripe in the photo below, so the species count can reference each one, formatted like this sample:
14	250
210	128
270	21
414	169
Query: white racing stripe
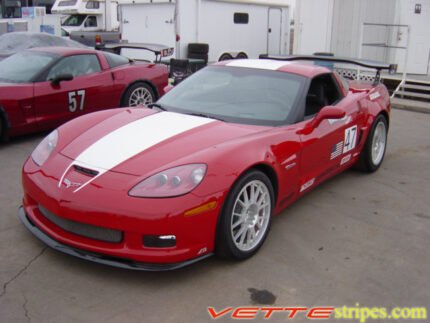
264	64
132	139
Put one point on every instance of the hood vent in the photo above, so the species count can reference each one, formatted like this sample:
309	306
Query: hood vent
86	171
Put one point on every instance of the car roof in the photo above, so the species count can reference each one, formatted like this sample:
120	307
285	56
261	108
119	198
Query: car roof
303	69
63	51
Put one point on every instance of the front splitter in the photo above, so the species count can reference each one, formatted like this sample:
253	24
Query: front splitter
100	258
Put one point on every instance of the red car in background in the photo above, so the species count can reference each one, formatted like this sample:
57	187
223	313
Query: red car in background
42	88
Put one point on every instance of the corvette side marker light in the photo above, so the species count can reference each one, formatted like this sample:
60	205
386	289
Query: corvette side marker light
203	208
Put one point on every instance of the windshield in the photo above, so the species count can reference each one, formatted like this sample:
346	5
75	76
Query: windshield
239	95
24	67
74	20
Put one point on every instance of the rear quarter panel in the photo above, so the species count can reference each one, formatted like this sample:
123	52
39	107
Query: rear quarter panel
16	103
155	74
376	101
373	101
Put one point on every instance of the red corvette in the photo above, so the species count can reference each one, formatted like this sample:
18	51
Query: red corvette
42	88
205	169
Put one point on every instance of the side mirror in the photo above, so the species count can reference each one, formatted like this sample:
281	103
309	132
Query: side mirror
168	88
61	78
328	112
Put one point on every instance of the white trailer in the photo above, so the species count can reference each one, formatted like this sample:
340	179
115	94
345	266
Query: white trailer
231	28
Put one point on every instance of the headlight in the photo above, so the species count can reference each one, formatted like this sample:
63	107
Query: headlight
172	182
45	148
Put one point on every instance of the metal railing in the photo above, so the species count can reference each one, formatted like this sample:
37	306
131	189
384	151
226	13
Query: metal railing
387	45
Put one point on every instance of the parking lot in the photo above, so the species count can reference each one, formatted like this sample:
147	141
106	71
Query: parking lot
355	239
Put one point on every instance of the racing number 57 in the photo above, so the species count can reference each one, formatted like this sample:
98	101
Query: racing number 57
76	97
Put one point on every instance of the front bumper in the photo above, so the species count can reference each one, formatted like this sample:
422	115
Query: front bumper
102	221
100	258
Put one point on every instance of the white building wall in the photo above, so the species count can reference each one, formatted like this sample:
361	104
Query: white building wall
336	25
419	37
313	24
348	19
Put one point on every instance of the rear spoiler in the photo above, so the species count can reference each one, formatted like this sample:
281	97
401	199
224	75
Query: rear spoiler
160	51
378	66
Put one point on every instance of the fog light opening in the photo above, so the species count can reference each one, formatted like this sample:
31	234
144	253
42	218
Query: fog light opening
164	241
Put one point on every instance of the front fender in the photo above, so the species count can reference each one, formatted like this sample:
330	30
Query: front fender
278	151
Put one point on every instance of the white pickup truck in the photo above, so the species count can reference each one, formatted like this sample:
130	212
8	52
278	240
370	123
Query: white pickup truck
89	21
81	22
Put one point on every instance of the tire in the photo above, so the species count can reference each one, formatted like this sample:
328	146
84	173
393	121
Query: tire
198	48
138	94
234	232
225	57
3	130
242	55
372	157
198	56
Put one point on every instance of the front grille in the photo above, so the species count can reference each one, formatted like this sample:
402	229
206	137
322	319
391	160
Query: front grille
82	229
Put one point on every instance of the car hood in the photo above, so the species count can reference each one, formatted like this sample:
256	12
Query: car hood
140	141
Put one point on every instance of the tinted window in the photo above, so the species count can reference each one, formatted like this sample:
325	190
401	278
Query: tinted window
343	81
323	91
92	5
91	21
75	65
74	20
67	3
115	60
241	18
240	95
25	66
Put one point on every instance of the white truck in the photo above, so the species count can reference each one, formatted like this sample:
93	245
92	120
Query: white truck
89	18
231	28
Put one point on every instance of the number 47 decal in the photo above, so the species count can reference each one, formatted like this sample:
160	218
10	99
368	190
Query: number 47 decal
350	139
73	100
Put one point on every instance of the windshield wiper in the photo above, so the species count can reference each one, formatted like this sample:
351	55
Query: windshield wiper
158	106
205	116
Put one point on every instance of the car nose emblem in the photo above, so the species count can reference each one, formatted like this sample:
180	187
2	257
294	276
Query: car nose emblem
69	183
